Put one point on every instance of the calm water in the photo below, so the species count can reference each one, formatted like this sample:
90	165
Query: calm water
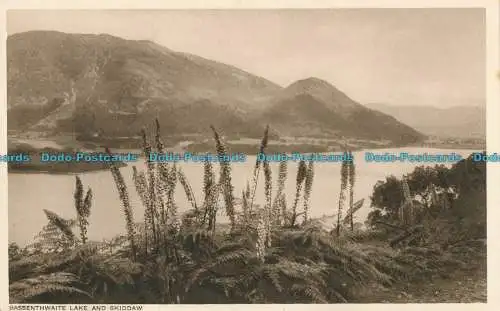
29	194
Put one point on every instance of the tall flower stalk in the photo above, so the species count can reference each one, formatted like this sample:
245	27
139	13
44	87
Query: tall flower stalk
210	193
187	189
344	174
256	170
162	174
149	196
406	210
282	173
352	180
127	208
307	188
301	175
261	237
245	206
141	187
83	206
225	178
268	207
171	218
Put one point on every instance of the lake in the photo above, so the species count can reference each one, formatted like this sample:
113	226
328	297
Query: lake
29	194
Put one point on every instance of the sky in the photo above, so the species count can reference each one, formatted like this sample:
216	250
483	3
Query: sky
396	56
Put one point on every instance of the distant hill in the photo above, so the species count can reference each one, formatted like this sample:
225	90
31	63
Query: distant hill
322	91
315	106
111	87
459	121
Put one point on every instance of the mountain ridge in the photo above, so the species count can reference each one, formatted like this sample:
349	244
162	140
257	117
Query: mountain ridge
456	122
106	85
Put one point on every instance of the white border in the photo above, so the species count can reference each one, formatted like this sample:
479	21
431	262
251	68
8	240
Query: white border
493	125
242	4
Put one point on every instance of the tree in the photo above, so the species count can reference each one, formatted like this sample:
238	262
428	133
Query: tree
455	184
386	200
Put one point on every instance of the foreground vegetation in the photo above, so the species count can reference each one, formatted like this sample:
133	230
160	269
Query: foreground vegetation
423	226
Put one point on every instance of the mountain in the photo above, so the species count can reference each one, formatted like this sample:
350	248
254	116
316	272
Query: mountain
107	81
315	106
322	91
105	86
459	121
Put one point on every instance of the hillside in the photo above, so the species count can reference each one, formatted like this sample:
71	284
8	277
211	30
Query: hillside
460	121
317	107
104	86
120	81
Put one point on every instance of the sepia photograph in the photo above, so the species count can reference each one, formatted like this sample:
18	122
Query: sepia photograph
247	156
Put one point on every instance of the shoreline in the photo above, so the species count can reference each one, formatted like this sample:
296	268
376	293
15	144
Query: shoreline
36	168
39	169
45	172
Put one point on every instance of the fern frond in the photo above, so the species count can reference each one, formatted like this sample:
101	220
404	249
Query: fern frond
60	223
59	283
309	291
241	255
